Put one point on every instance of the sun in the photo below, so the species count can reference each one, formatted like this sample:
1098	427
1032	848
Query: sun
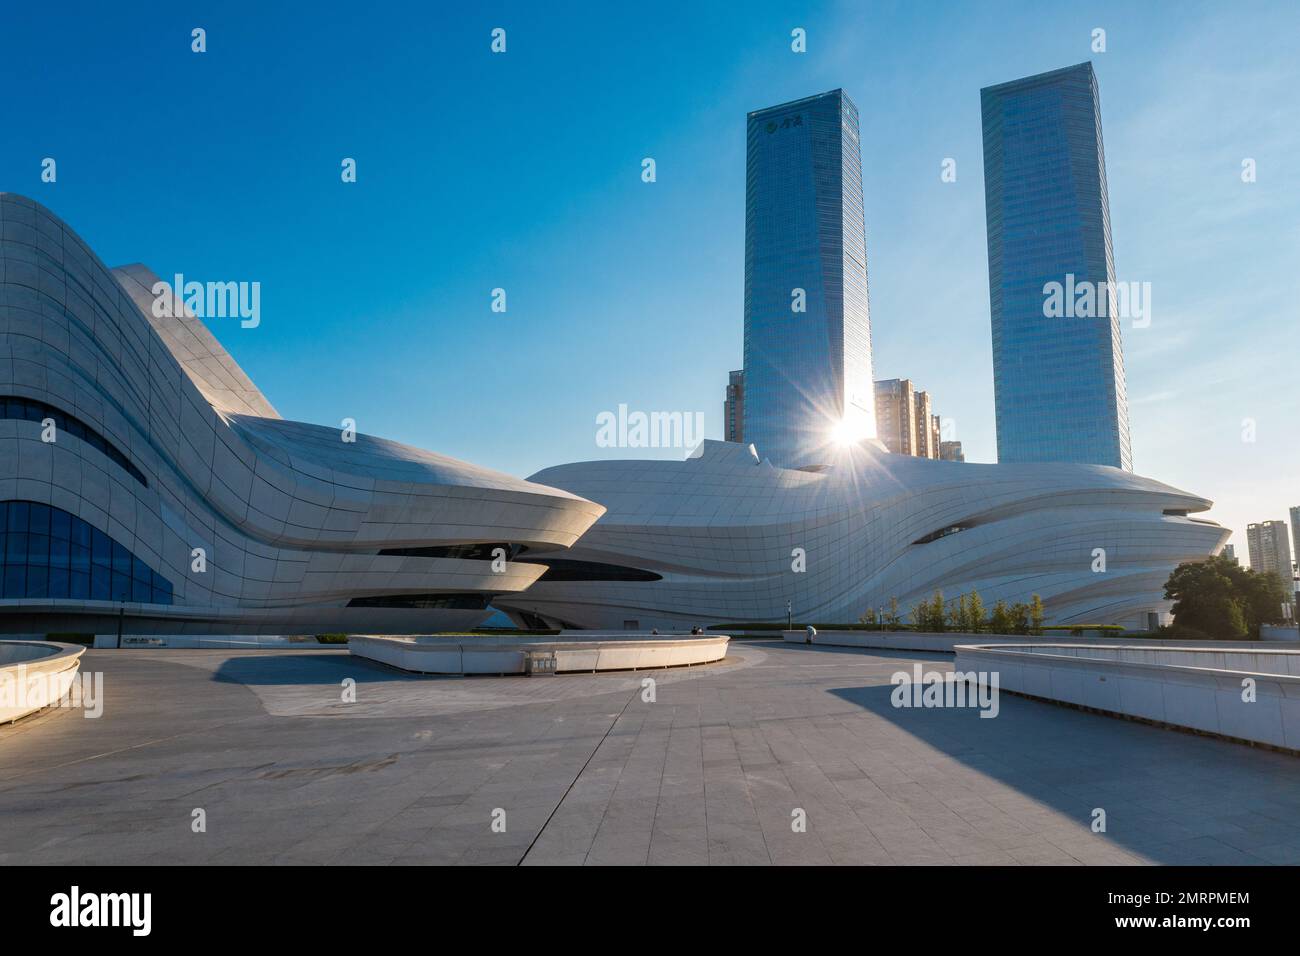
847	432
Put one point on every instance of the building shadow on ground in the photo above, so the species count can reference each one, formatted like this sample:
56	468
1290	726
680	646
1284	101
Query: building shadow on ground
1169	796
265	670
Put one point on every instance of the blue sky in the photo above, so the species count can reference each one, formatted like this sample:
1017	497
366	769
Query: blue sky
522	171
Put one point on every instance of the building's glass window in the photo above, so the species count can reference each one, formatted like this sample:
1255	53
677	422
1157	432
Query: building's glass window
49	553
455	602
30	410
464	552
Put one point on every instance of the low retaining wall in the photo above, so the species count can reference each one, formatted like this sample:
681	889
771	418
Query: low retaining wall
1192	687
521	654
34	675
947	642
236	642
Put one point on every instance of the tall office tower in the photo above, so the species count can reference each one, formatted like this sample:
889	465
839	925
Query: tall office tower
1270	551
733	409
1230	553
951	451
807	326
896	415
1058	381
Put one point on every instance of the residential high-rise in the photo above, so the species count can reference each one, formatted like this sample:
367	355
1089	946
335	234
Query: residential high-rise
1058	381
951	451
905	423
1230	553
733	409
1295	528
926	447
1270	550
896	415
807	326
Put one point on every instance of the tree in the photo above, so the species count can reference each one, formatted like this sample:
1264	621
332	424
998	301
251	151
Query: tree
1001	621
869	619
1036	612
937	622
921	615
957	613
1222	600
975	608
892	620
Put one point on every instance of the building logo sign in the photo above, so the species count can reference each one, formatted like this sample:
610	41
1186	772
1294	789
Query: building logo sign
773	125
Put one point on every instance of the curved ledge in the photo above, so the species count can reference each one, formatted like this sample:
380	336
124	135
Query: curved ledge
537	655
34	675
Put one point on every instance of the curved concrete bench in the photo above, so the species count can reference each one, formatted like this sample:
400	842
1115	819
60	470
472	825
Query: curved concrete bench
1197	688
34	675
523	655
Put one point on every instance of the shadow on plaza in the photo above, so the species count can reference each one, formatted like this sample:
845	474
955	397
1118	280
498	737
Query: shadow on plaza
1172	797
269	669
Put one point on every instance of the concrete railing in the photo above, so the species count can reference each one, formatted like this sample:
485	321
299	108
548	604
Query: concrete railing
34	675
1245	694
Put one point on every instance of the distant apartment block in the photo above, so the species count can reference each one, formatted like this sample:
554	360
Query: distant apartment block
905	420
951	451
1270	550
1230	553
1058	382
1295	528
926	447
733	408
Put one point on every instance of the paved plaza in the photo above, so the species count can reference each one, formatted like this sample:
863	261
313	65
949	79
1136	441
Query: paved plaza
581	769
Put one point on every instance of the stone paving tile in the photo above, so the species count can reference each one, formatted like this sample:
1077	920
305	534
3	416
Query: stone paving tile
589	773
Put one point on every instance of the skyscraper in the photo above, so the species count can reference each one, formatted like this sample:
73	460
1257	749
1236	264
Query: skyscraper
807	327
1058	381
1270	551
1295	527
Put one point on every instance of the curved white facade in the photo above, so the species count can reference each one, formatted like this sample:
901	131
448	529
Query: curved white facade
724	535
162	445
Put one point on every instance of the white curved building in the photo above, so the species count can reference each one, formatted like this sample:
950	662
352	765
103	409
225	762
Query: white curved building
720	537
131	444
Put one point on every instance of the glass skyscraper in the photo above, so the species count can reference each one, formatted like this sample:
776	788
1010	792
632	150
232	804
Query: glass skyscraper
1058	381
807	330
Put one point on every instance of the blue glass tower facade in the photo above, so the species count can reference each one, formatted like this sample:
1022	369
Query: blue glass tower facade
1058	381
808	376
